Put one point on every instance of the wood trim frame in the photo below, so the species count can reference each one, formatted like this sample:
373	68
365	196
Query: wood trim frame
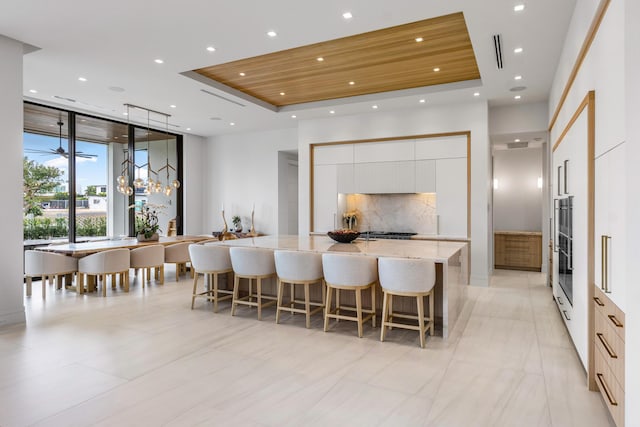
586	45
589	102
395	138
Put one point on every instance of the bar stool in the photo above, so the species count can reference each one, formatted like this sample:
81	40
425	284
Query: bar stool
146	258
47	265
252	263
298	268
211	261
178	254
102	264
408	278
352	273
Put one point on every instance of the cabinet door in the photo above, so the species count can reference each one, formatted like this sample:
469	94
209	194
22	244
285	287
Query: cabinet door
385	177
441	148
345	178
451	196
610	207
390	151
333	154
425	176
325	197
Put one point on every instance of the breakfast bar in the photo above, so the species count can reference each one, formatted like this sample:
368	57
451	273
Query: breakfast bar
451	259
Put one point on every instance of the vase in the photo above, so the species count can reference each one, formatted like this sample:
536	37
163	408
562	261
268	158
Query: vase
238	227
153	238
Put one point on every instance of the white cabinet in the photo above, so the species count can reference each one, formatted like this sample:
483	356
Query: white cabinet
390	151
610	208
385	177
426	176
333	154
345	178
451	196
441	148
325	192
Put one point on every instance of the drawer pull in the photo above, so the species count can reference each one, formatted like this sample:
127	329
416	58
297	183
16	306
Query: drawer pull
597	300
565	314
615	321
606	390
606	346
560	300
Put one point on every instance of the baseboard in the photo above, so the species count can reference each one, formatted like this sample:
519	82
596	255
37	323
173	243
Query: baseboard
14	318
481	281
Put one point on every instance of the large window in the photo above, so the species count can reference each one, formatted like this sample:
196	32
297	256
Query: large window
71	165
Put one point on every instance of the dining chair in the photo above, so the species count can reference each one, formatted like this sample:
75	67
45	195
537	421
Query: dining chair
146	258
114	262
48	266
178	254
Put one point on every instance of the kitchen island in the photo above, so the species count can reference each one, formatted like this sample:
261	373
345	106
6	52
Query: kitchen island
451	260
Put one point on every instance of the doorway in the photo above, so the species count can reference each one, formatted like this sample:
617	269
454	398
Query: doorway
288	192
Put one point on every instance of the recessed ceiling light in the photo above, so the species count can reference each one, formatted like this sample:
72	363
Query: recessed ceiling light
422	101
33	91
172	106
518	7
517	50
282	94
332	112
320	59
352	83
232	124
272	33
124	135
516	140
293	116
211	49
158	61
375	107
476	94
125	114
83	120
419	39
347	15
517	97
115	137
517	78
188	128
242	74
436	69
82	79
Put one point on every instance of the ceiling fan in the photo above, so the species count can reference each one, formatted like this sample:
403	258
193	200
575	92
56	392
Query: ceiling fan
61	151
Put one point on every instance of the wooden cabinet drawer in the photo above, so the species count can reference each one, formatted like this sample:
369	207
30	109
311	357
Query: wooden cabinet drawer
611	390
611	346
614	317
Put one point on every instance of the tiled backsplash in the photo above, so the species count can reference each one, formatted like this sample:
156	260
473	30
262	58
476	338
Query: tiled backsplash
391	212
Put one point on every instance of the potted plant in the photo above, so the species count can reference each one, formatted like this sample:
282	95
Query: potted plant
147	223
237	224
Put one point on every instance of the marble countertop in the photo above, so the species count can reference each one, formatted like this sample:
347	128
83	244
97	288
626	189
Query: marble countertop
419	237
439	251
519	233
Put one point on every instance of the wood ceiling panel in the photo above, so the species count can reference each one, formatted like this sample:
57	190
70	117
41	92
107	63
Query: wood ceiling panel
379	61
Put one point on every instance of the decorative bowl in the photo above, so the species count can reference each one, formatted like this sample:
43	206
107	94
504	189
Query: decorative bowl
343	236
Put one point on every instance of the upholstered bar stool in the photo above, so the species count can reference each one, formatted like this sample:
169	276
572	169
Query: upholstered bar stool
47	265
350	273
211	261
178	254
299	268
414	278
252	264
146	258
114	262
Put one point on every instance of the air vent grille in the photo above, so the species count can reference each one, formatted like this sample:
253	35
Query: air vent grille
497	44
511	145
222	97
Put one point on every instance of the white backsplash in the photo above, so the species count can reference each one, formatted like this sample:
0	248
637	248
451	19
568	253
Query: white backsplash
391	212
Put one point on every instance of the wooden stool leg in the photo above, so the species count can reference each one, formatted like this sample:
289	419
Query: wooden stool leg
373	305
259	287
307	306
359	311
390	310
383	327
432	314
234	303
279	303
292	293
193	296
337	303
44	287
102	278
421	319
327	308
28	285
161	274
125	276
215	292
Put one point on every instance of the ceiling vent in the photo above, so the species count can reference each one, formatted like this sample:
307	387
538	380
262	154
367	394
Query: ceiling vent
511	145
222	97
497	44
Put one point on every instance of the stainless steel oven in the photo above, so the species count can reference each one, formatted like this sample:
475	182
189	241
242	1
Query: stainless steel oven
565	246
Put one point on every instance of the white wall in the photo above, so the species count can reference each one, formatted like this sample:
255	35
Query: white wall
632	88
518	118
194	186
240	170
449	118
11	118
517	202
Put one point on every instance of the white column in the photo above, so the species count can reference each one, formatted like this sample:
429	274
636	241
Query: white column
632	108
11	125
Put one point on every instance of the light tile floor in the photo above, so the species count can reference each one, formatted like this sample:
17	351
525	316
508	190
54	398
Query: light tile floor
146	359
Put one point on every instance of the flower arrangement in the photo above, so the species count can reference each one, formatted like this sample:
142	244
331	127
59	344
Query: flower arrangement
350	219
147	220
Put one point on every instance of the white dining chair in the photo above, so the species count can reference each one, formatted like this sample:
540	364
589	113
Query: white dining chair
114	262
350	273
252	264
178	254
147	258
211	261
47	266
405	277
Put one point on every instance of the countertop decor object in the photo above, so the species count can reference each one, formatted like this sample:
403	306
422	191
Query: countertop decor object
343	236
147	223
237	223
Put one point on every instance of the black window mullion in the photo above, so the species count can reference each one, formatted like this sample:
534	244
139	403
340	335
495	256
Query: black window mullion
71	138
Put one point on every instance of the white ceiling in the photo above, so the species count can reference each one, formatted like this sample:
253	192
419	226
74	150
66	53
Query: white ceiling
114	43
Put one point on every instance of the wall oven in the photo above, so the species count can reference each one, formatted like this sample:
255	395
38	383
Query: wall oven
565	246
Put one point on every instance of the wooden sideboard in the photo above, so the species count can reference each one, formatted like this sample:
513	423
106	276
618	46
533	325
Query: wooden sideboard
518	250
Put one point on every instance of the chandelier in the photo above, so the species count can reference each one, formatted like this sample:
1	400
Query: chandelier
149	184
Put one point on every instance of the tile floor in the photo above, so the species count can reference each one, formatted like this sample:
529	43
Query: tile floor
146	359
